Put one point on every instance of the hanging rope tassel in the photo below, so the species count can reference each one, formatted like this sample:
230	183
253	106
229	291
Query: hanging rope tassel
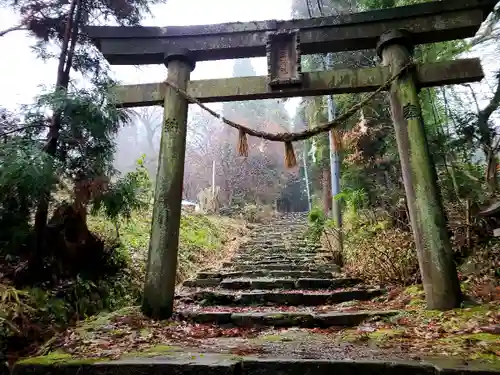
290	159
243	143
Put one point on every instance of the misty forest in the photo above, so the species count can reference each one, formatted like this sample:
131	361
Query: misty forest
357	244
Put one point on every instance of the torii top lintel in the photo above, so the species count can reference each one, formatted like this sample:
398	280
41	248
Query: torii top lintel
428	22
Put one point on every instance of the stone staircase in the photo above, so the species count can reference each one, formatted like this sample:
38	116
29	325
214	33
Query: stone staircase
277	278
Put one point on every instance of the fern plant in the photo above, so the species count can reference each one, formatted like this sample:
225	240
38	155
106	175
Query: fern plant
130	193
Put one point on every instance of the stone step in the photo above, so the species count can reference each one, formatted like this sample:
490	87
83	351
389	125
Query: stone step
207	298
281	259
274	241
263	247
279	225
202	283
285	267
278	360
284	319
301	283
307	262
266	273
281	254
260	248
280	243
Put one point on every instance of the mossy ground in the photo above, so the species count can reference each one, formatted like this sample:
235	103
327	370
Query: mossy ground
415	333
58	357
204	241
201	240
469	332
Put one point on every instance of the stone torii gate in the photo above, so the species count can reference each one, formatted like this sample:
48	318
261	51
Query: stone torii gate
393	32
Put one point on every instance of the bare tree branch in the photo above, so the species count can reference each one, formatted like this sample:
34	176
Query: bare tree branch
492	106
23	128
13	28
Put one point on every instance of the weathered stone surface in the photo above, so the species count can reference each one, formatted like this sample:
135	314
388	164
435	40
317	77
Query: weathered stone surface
276	283
258	273
160	280
277	319
207	317
347	318
209	275
284	253
315	83
200	283
192	364
429	22
286	267
258	284
281	298
258	263
290	366
275	258
317	283
189	362
286	319
283	261
303	274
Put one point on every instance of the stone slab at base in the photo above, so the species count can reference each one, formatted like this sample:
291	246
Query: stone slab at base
285	319
190	363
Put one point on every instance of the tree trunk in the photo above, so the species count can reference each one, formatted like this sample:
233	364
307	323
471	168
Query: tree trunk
491	173
62	82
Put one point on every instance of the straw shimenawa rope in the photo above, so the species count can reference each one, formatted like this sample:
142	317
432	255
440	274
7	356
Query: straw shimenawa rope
288	138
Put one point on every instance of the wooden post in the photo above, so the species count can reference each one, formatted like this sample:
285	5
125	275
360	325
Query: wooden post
439	275
161	270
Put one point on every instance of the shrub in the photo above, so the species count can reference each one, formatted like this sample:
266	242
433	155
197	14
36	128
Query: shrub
380	254
317	222
257	214
31	316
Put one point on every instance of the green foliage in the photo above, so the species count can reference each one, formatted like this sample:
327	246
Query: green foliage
22	172
129	193
23	178
85	122
21	310
317	221
380	254
201	239
89	123
355	199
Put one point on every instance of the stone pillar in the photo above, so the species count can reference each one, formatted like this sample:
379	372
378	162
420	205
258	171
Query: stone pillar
439	275
161	269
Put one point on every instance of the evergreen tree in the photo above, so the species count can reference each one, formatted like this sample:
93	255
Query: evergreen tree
79	124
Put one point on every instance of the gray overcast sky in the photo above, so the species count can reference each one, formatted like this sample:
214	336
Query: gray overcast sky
22	73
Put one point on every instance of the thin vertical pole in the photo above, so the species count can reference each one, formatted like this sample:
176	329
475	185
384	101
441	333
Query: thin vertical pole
335	169
213	177
306	176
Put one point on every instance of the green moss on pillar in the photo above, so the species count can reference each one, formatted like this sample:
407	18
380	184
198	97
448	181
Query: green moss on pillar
428	222
161	269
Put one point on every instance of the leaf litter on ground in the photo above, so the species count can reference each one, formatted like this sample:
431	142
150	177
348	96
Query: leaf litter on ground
468	333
